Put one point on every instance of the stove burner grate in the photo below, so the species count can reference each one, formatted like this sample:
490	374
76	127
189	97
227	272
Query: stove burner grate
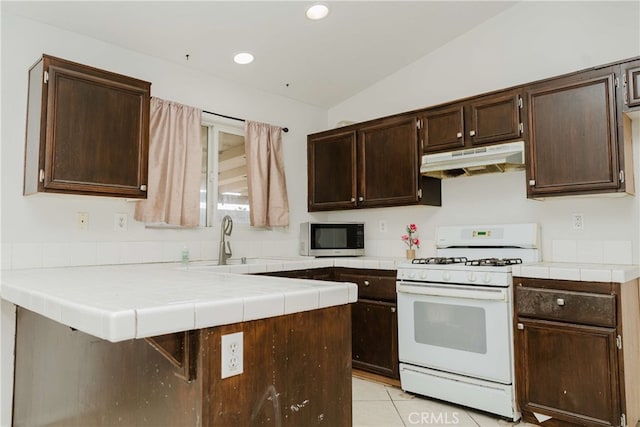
494	262
440	260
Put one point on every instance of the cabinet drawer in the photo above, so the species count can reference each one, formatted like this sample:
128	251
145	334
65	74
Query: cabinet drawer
372	287
575	307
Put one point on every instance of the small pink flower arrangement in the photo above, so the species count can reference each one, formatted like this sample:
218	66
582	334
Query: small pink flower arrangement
409	239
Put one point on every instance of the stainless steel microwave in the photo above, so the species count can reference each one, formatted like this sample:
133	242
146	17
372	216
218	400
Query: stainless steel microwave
331	239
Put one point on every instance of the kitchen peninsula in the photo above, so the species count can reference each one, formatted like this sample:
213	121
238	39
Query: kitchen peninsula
142	345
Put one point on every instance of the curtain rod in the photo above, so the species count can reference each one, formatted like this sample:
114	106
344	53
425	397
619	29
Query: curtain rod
235	118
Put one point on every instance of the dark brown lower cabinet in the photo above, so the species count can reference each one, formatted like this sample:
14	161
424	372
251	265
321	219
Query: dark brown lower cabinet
297	372
374	320
372	323
572	371
577	351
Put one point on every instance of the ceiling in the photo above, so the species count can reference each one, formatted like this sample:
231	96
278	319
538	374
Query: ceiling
320	63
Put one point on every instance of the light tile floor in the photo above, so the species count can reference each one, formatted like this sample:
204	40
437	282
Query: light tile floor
376	404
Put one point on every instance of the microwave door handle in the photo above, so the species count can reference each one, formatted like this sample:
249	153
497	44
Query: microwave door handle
453	292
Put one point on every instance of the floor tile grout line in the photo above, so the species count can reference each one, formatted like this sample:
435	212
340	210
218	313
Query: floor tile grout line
393	402
472	419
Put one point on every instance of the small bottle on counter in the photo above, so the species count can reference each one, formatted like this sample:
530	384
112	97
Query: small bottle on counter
185	255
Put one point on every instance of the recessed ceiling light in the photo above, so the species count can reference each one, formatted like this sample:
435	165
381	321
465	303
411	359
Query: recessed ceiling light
317	11
243	58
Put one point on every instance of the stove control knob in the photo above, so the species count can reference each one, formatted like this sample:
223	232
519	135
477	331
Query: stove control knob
412	275
486	278
423	275
471	277
446	276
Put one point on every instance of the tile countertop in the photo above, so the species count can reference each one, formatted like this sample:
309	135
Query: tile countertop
581	272
122	302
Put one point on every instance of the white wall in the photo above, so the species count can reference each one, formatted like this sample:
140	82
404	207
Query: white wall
528	42
40	230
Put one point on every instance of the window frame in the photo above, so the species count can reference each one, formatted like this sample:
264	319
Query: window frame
214	126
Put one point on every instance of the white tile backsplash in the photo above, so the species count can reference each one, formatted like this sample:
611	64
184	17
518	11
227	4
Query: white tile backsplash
150	251
590	251
26	255
618	252
108	253
84	253
131	253
5	256
564	251
56	254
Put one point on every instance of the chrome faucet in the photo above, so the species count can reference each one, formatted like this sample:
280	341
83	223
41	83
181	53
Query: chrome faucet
225	247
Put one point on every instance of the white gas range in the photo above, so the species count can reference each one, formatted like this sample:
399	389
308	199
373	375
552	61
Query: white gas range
455	311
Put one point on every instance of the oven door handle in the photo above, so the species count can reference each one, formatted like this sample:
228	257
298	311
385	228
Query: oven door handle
466	292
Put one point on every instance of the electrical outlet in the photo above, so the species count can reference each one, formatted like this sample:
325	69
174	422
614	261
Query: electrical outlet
578	221
382	226
82	221
120	221
232	355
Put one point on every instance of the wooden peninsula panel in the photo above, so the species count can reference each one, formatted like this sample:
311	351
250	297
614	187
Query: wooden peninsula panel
297	372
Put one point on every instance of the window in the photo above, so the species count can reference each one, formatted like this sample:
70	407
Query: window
223	183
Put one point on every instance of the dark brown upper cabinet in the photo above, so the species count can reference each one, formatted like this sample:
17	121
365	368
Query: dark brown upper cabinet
373	164
388	163
87	131
443	128
574	145
332	171
631	85
481	120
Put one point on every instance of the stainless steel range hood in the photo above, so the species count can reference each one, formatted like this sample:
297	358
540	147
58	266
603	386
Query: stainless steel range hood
474	161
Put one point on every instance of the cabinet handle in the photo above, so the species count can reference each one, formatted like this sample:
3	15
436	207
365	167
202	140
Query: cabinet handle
472	133
459	135
560	301
360	199
532	182
353	199
41	175
393	309
520	327
366	283
143	187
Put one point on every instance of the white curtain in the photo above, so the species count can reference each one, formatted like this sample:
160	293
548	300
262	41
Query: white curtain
268	201
175	160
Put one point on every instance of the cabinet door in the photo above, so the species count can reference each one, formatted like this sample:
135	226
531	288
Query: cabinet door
375	337
443	129
388	162
96	131
631	84
573	147
371	286
332	171
568	372
494	118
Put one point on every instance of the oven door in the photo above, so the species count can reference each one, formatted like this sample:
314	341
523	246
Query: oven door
456	328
